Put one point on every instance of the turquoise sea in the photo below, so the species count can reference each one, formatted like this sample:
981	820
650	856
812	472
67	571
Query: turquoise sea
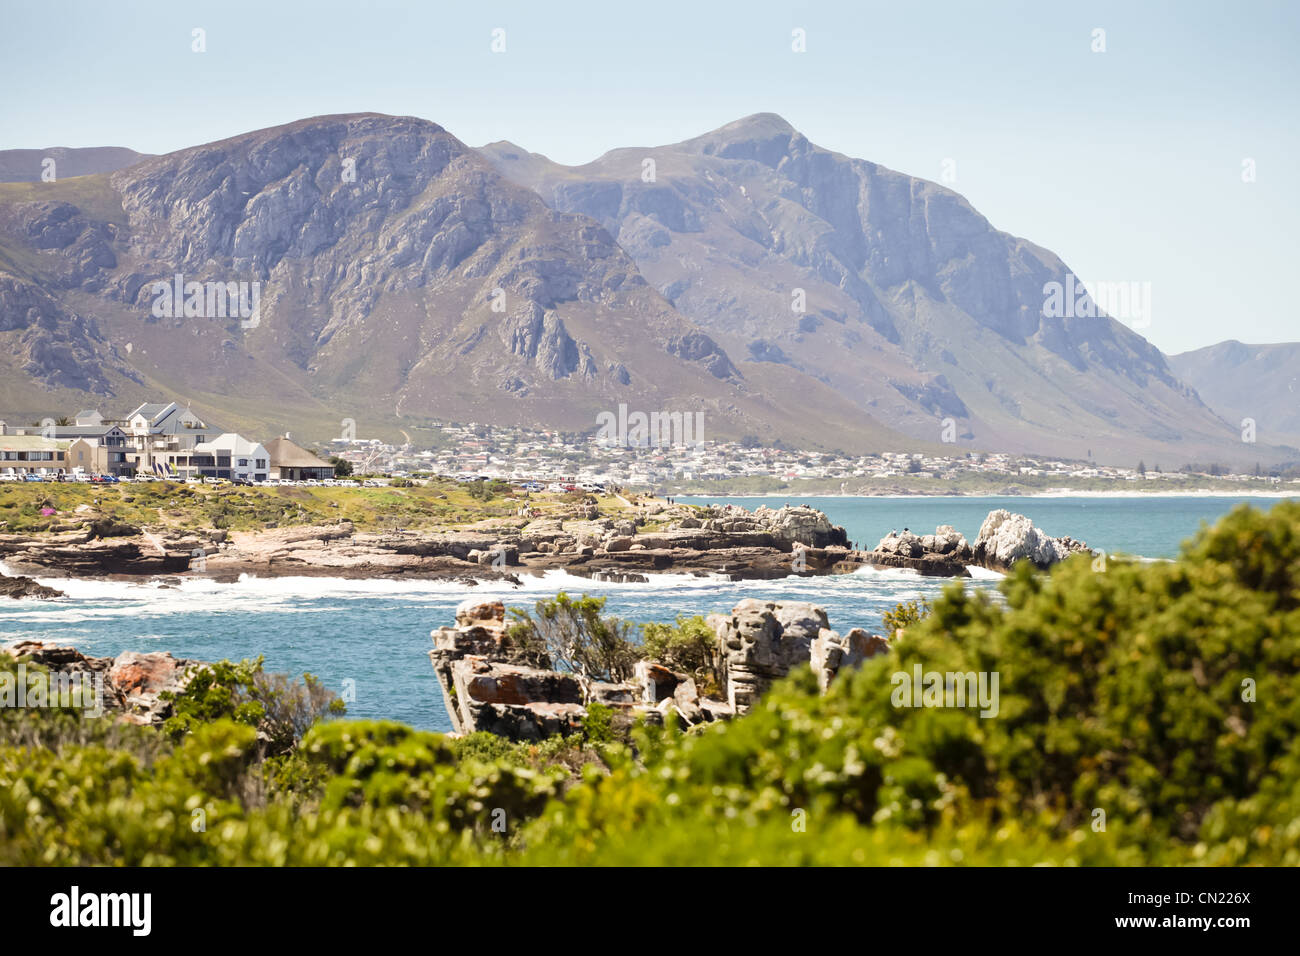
376	633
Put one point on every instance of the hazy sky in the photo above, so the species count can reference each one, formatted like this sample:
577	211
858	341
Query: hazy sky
1128	163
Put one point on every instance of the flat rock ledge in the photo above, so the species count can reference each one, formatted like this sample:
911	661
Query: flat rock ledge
487	687
655	538
720	540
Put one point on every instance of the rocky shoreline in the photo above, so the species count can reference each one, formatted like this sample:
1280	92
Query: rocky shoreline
489	685
657	538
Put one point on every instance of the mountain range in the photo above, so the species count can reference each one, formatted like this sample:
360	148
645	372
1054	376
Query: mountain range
784	290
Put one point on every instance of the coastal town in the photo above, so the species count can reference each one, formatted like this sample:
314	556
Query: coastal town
518	453
170	441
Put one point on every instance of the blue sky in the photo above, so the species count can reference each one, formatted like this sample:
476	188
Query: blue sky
1127	163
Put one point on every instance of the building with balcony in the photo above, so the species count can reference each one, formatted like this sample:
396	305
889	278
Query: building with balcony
94	457
161	434
103	448
226	456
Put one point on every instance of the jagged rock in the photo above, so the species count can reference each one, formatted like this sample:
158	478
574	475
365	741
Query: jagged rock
801	524
478	680
128	687
140	678
716	709
486	686
612	695
47	655
762	641
655	682
1006	538
757	650
831	652
942	554
945	540
534	721
524	703
500	555
25	587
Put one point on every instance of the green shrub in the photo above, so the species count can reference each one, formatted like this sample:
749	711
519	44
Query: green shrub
904	615
688	645
281	709
573	636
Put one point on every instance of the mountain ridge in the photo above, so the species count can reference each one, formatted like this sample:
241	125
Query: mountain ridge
890	264
382	294
1240	380
386	247
30	165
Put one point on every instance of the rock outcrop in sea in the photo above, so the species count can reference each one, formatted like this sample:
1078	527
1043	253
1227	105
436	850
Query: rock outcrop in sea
654	538
488	685
20	586
942	554
1006	538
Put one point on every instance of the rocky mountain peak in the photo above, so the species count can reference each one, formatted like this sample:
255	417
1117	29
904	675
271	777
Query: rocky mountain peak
763	137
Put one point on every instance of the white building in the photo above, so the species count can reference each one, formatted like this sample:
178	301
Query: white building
230	456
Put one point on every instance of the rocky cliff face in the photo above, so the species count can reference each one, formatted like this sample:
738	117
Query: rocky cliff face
892	289
397	276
